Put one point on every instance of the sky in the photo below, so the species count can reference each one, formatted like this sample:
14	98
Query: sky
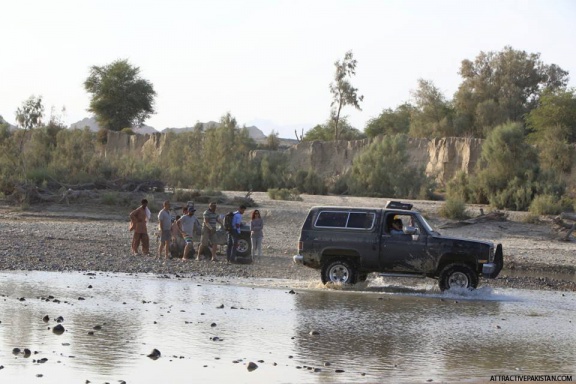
267	62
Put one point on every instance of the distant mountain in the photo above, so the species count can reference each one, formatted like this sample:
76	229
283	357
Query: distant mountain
89	122
254	132
92	124
10	126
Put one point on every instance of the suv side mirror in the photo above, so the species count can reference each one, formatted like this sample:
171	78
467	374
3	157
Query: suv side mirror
411	230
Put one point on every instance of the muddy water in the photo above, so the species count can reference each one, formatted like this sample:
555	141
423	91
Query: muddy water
210	330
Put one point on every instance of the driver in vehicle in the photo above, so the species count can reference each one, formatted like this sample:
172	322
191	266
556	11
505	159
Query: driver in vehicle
397	227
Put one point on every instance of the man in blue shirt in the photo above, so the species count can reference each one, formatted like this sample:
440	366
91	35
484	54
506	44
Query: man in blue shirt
234	234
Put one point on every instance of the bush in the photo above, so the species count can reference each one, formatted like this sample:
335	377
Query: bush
454	209
205	196
284	194
382	170
549	205
110	198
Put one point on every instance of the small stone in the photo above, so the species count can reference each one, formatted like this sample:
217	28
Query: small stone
252	366
314	333
155	354
46	319
58	329
16	351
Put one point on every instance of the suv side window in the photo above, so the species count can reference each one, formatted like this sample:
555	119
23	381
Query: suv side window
360	220
339	219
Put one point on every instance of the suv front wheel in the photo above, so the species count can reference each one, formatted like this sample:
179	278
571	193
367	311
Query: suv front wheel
457	276
338	271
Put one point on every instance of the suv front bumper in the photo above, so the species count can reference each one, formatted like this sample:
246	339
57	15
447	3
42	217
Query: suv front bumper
488	269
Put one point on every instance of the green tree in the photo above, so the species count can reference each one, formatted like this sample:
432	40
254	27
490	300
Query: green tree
390	122
120	97
509	174
325	132
503	86
30	114
556	108
552	126
382	170
272	141
432	115
28	117
343	93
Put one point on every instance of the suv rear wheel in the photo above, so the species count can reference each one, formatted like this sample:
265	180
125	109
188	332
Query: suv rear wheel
339	271
457	276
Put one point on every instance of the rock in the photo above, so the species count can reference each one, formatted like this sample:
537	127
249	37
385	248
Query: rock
59	319
252	366
58	329
27	352
46	318
16	351
155	354
314	333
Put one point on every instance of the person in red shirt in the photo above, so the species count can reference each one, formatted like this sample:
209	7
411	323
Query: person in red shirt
138	219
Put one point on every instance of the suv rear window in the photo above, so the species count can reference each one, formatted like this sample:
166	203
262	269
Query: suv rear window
339	219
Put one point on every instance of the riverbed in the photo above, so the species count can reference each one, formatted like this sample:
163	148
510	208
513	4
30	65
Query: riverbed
274	331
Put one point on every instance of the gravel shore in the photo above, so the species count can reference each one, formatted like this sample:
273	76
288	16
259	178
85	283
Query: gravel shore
92	237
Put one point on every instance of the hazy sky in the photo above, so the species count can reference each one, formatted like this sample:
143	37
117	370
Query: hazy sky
269	63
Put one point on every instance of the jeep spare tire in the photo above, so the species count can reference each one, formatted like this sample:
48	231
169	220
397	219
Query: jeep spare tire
338	271
457	276
243	247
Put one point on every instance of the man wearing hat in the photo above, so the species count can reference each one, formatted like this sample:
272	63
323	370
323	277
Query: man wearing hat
188	224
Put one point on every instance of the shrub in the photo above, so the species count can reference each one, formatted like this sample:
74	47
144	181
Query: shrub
454	209
549	205
110	198
284	194
382	170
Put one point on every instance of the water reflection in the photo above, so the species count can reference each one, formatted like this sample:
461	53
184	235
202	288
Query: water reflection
210	330
465	334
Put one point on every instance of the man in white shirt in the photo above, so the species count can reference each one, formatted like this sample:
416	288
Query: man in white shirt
188	224
164	224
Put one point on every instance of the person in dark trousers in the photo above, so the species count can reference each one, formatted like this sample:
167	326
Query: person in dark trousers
234	234
256	234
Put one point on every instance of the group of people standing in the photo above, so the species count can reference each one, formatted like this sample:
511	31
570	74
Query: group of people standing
182	230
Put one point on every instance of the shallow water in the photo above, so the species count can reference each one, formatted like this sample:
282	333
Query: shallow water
380	333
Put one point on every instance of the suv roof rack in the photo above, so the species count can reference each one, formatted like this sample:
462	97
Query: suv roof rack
398	205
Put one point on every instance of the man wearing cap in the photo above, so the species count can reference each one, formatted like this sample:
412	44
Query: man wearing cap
188	224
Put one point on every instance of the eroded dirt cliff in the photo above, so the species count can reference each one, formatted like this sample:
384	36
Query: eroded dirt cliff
441	158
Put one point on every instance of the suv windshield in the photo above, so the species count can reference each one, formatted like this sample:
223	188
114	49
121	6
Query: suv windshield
426	224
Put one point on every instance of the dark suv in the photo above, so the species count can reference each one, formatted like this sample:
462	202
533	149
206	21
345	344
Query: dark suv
346	244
